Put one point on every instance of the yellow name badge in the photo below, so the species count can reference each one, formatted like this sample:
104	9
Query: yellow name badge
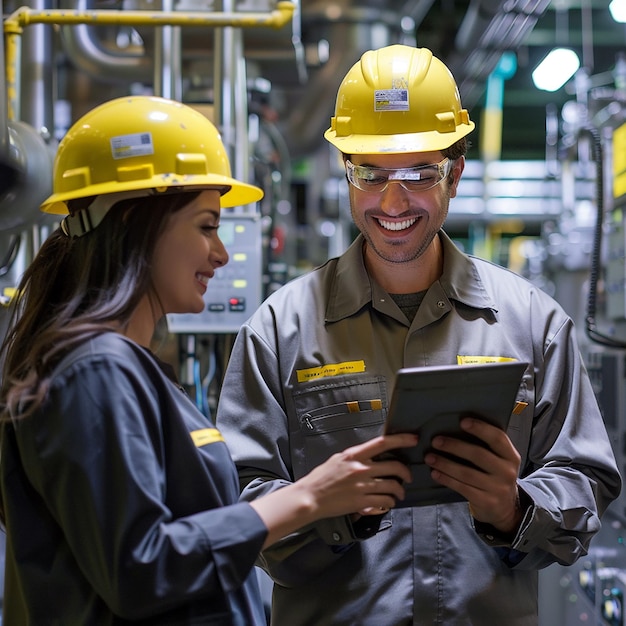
477	360
205	436
332	369
464	359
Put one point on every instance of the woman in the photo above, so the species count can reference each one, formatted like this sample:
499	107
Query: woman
119	497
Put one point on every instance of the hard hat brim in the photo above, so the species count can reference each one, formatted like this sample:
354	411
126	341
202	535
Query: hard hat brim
238	193
403	143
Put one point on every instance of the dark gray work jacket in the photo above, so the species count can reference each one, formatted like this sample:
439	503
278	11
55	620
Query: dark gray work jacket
334	337
121	504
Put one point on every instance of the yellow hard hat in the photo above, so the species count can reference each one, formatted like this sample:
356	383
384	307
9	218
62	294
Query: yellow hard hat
398	99
139	143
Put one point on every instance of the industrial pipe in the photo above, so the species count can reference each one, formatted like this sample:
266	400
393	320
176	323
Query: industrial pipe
15	23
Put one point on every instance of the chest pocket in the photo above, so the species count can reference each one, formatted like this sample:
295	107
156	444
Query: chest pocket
336	414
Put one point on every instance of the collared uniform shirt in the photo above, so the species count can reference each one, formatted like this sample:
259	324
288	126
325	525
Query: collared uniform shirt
121	503
334	338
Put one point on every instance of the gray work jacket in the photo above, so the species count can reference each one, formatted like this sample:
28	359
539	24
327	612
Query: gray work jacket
334	336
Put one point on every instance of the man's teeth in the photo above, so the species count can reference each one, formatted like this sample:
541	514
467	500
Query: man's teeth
397	225
203	279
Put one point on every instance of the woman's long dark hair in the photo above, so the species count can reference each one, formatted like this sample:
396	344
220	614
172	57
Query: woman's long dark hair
75	289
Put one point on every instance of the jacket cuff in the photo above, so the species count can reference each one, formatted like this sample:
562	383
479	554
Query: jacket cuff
339	531
496	539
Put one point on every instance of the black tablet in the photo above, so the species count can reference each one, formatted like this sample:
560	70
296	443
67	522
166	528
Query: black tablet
432	400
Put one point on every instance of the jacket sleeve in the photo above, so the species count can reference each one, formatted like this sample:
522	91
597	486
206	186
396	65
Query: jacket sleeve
571	474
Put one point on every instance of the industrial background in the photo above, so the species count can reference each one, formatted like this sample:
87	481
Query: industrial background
544	189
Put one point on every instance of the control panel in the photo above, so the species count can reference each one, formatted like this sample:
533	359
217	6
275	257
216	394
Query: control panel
607	372
235	291
591	591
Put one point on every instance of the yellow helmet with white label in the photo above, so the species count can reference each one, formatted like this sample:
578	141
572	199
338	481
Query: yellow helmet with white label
398	99
138	143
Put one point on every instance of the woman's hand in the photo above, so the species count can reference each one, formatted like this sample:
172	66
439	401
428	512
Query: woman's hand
356	481
352	481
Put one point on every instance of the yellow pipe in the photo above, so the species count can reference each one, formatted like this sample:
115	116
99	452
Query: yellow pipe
274	19
24	16
12	56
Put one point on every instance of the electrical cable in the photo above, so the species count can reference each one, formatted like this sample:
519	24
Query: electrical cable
200	396
590	320
206	382
276	187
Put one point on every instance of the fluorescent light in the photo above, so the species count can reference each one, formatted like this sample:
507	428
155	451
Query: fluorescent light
618	10
556	69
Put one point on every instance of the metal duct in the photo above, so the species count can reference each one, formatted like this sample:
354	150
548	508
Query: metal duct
20	207
490	27
26	145
350	30
98	55
37	75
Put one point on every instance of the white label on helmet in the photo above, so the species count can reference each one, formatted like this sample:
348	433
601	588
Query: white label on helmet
137	144
391	100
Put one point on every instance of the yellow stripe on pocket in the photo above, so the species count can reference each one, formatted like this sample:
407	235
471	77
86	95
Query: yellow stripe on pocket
205	436
465	359
331	369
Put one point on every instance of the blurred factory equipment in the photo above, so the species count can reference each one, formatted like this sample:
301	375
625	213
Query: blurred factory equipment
586	252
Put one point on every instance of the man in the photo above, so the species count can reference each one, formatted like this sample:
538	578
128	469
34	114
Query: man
312	372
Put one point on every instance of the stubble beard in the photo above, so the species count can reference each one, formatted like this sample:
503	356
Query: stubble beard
402	254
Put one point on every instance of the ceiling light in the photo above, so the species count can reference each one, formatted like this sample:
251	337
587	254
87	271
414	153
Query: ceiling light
618	10
556	69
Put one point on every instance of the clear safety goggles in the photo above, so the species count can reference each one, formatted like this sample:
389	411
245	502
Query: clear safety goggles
377	179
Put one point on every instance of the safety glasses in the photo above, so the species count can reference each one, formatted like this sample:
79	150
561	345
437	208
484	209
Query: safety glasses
377	179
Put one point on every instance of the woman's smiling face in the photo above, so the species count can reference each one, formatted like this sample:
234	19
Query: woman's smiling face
187	255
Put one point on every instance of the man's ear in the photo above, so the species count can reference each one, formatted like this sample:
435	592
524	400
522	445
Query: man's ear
455	175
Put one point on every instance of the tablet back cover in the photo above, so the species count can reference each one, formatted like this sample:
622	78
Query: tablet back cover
432	400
